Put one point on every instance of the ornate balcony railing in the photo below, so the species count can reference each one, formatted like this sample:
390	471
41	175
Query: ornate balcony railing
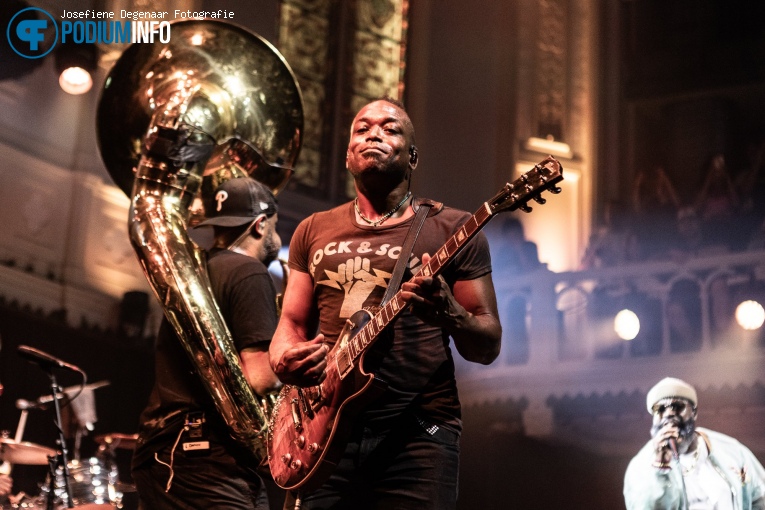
559	340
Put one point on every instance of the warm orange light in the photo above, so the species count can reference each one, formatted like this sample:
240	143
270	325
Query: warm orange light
75	80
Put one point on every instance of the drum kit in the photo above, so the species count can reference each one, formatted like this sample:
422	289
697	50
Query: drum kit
92	483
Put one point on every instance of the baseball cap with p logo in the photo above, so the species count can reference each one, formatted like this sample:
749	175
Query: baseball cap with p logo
238	201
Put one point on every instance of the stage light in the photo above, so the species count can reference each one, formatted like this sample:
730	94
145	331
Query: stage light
75	80
750	315
626	324
75	64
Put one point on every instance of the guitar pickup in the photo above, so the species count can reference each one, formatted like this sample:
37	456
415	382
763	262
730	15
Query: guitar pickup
344	362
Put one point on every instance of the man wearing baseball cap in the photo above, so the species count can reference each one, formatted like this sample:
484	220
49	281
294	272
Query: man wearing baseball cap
185	457
689	467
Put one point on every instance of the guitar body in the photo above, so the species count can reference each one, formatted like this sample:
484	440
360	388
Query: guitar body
310	427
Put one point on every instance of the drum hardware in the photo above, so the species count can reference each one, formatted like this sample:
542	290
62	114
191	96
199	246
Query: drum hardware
117	440
70	391
6	466
124	488
49	364
93	482
15	451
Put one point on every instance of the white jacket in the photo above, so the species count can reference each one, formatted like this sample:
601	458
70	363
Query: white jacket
649	488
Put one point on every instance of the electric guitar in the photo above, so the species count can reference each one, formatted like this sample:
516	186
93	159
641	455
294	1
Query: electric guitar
309	427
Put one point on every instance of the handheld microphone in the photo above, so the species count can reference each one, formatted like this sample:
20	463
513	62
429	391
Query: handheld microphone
672	442
43	359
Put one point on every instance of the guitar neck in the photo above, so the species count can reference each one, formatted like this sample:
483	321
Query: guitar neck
393	308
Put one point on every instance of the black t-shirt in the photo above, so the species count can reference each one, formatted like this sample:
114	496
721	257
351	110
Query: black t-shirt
246	296
351	264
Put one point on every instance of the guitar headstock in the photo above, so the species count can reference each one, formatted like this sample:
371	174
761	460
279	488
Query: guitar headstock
516	195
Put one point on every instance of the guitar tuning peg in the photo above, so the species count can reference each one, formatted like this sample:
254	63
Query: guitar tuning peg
540	200
525	208
555	190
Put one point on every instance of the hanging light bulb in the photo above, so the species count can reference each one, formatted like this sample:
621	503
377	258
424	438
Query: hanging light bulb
75	63
75	80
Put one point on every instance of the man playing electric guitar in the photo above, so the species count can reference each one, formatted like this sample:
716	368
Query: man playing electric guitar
402	449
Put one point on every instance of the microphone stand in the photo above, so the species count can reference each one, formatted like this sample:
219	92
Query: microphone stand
62	443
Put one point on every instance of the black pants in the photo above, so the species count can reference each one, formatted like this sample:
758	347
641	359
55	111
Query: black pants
216	480
405	467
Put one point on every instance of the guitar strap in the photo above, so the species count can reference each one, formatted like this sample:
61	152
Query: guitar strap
423	207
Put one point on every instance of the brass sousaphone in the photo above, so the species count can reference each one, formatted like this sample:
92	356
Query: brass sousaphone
173	121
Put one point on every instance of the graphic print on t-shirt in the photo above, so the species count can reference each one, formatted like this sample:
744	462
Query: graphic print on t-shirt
357	279
355	275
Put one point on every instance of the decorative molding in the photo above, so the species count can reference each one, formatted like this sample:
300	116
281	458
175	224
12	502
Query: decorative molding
581	68
304	37
343	54
383	18
551	71
378	49
47	297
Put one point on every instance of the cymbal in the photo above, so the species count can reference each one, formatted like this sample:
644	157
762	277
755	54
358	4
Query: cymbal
117	440
24	453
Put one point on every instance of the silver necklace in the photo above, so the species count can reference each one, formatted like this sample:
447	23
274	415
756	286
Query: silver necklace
385	216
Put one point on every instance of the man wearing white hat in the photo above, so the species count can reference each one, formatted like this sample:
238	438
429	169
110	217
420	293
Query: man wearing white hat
685	467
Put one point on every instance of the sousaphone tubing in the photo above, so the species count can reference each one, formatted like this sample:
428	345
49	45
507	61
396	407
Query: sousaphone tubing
174	120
